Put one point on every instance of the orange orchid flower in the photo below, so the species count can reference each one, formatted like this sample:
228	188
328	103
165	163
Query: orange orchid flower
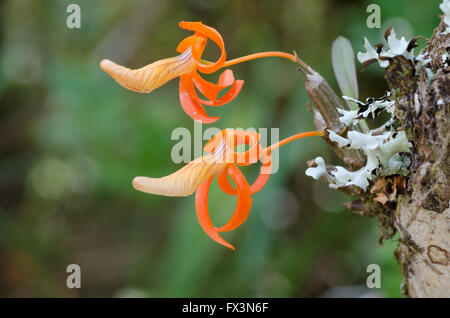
187	66
221	162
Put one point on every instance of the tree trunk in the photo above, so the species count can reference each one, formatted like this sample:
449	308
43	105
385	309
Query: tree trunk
422	214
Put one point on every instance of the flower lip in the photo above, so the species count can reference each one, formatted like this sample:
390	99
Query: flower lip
152	76
183	182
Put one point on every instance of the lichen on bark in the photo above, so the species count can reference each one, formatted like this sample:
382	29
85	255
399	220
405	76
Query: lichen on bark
415	207
422	216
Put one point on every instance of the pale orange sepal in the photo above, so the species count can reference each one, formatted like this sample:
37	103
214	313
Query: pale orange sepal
152	76
185	181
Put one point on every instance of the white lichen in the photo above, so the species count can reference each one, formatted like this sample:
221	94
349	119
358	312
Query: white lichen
320	171
430	75
446	59
371	54
416	103
396	47
384	151
341	141
445	7
369	109
343	178
421	61
348	116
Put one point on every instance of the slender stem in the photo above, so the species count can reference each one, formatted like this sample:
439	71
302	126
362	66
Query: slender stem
260	55
292	138
293	57
255	56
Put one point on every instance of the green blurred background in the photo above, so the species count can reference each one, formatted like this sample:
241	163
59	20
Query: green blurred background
71	140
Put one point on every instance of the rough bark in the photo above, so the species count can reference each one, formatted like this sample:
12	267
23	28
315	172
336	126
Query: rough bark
422	215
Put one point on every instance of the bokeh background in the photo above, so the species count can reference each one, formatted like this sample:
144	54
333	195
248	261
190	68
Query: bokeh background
71	140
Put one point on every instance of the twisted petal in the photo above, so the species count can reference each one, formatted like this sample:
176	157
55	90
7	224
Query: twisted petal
191	104
213	35
228	97
233	138
251	139
244	203
152	76
183	182
201	207
196	43
260	182
264	174
210	90
241	213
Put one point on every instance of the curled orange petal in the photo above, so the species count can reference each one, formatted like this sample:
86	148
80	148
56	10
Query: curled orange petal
152	76
210	90
201	207
233	138
252	155
196	43
185	181
244	202
214	36
214	142
225	138
260	182
228	97
224	184
190	104
264	174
